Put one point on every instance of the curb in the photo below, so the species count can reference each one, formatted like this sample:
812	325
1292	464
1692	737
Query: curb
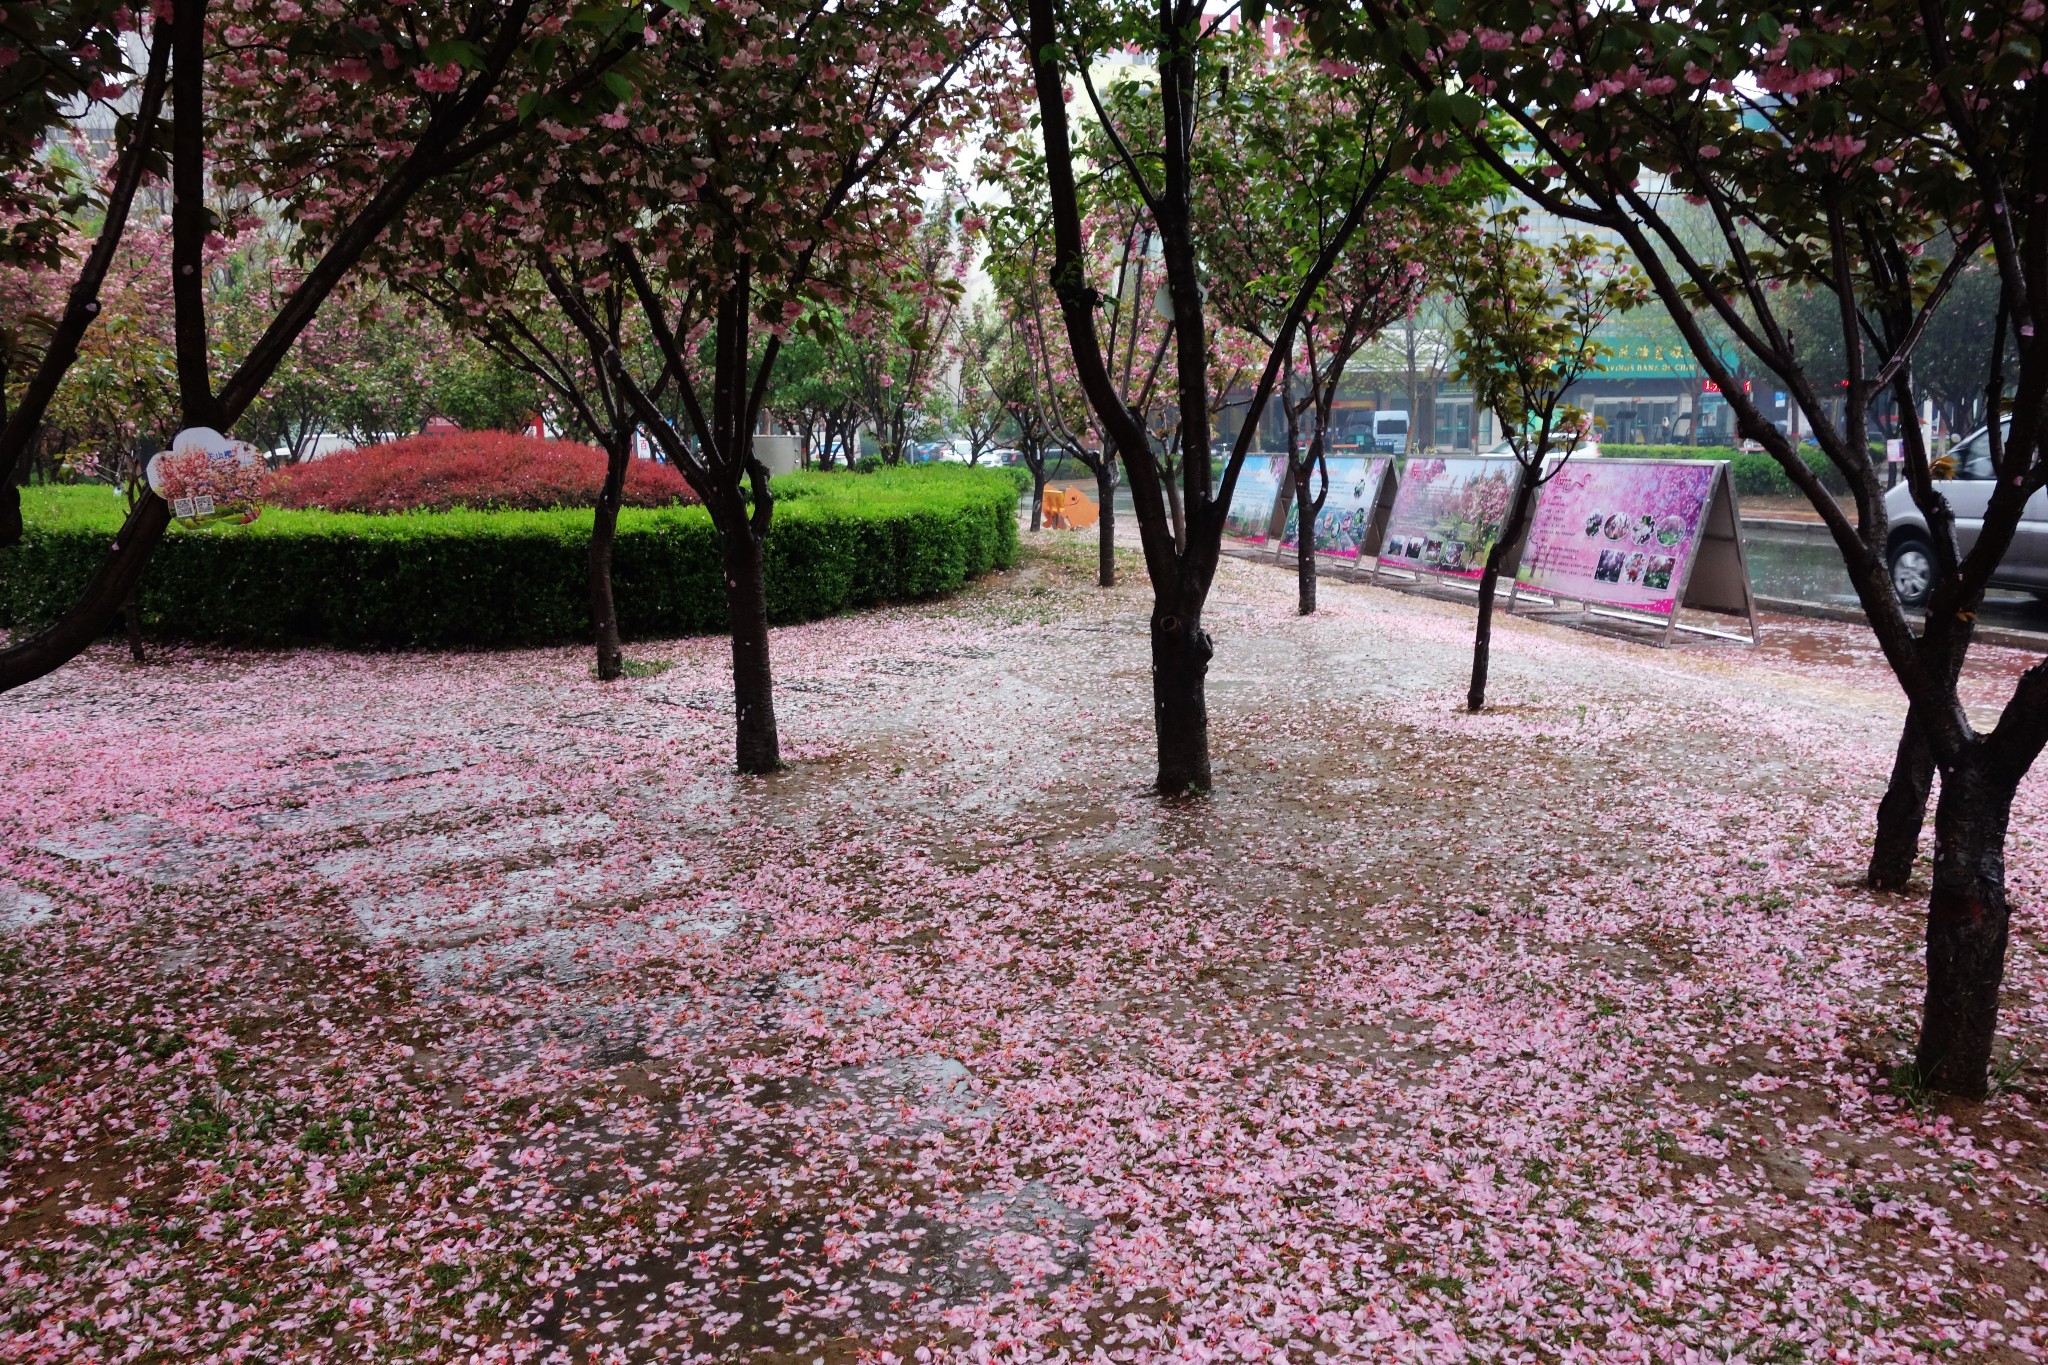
2001	636
1784	528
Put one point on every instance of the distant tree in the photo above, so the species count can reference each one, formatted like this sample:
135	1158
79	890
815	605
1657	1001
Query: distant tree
1297	142
1134	334
1012	374
1953	362
903	340
815	388
979	413
525	332
480	391
1531	319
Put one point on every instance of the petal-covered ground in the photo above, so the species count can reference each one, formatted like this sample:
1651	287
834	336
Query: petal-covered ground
457	1007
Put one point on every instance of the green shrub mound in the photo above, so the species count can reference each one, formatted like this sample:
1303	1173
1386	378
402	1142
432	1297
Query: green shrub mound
837	542
1754	472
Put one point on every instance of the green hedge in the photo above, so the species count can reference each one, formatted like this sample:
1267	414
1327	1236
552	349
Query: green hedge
1755	472
838	541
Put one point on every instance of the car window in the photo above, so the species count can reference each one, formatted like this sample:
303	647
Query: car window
1973	458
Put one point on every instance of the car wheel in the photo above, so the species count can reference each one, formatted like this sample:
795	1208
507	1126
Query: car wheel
1912	565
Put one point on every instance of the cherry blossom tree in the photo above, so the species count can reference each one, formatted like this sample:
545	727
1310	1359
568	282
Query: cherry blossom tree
1294	134
815	388
338	118
1868	153
1012	373
1145	141
523	326
904	340
1020	247
978	410
1531	316
65	59
764	167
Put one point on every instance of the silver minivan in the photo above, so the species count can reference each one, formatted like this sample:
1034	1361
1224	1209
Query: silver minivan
1911	552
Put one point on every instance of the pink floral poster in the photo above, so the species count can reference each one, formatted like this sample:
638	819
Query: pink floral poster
1618	532
1346	514
1447	515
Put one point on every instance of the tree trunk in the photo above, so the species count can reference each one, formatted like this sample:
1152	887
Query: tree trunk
1305	513
1901	813
1966	930
1489	582
757	749
1175	508
131	623
604	616
1181	650
88	618
1105	525
1037	495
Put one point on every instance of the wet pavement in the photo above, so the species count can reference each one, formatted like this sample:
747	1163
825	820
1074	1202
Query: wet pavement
1797	564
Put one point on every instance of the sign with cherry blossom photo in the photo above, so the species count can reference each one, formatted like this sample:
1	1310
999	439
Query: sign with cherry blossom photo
1618	532
1448	514
1255	498
1345	521
208	478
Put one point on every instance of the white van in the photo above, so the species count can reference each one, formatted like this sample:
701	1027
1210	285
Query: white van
1390	430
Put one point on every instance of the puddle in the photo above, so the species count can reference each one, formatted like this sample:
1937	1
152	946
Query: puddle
22	907
516	899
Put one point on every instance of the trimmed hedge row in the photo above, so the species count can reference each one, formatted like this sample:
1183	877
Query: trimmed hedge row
838	541
1756	473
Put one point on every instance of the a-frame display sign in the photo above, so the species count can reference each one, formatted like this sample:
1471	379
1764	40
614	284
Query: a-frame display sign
1632	541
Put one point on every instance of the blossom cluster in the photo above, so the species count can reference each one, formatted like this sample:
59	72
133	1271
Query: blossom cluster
481	469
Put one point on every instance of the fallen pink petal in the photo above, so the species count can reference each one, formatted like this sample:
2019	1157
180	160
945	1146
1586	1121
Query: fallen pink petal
459	1007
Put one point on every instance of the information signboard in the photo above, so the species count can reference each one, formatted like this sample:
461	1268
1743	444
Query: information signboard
1447	515
1640	537
1345	527
1255	503
208	478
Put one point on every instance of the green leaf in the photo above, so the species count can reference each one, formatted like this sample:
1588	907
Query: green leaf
468	56
1255	12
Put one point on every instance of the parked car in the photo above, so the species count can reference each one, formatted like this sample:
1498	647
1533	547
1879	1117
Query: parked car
1910	551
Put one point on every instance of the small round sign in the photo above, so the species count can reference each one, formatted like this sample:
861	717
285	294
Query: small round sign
208	478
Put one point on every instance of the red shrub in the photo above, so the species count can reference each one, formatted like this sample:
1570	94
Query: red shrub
495	469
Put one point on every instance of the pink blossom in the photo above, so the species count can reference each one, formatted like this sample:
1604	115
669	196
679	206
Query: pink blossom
437	80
